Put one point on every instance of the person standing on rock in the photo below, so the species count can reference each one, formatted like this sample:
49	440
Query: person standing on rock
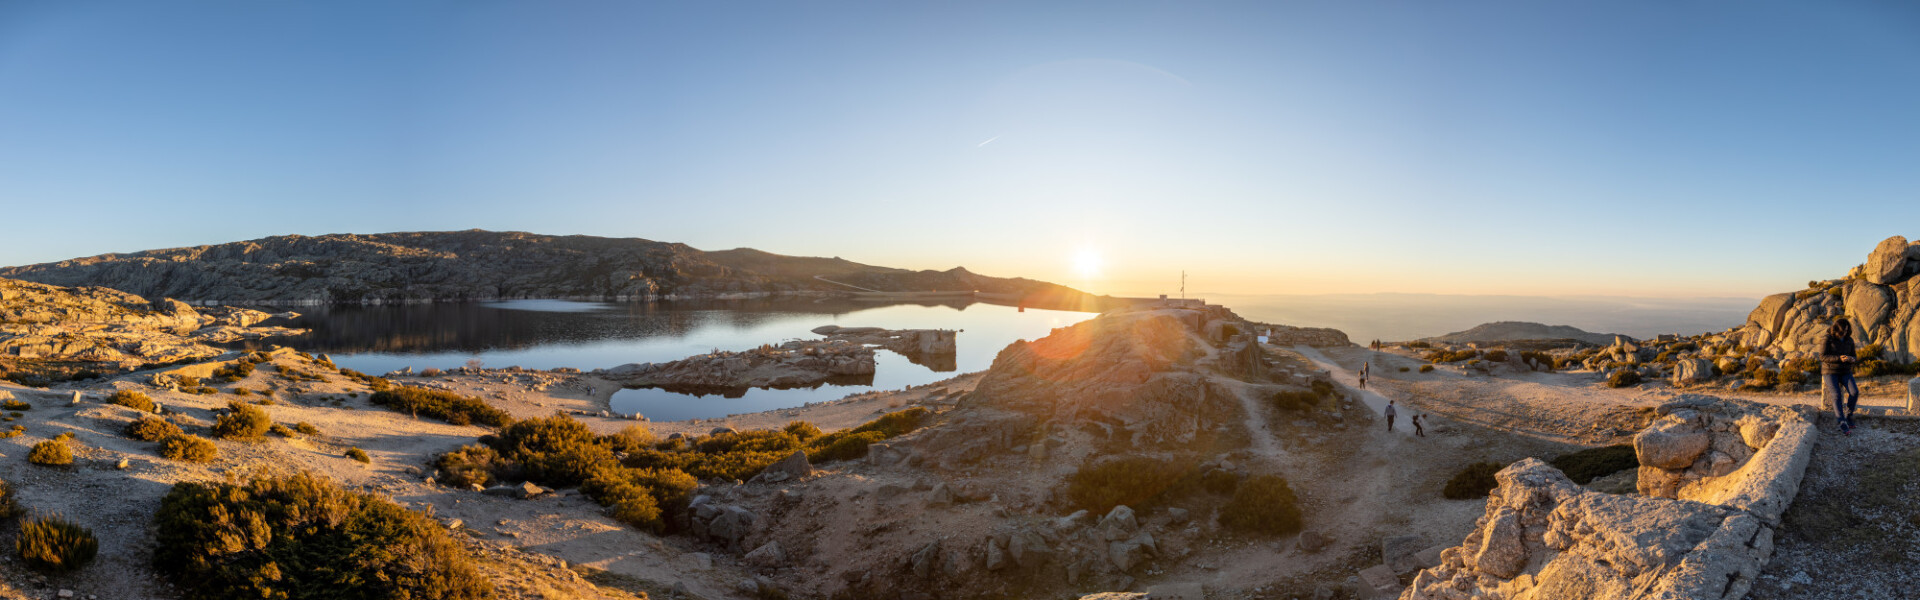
1390	414
1836	373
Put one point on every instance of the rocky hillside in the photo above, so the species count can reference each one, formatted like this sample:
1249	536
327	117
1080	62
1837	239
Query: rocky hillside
1882	296
1520	330
479	265
48	330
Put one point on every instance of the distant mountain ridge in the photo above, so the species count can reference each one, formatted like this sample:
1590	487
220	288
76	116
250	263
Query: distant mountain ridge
1502	331
487	265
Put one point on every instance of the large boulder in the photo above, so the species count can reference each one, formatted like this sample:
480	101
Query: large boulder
1913	396
1692	370
1670	444
794	466
1888	263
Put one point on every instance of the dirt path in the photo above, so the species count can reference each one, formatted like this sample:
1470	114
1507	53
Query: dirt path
1351	380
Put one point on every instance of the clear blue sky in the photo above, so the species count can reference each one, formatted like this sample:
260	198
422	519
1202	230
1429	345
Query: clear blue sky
1634	148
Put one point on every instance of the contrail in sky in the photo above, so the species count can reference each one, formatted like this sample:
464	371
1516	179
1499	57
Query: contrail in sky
989	141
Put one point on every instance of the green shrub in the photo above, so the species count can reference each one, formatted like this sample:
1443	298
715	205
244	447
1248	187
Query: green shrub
1869	352
1262	504
631	438
377	384
1426	368
844	447
446	406
51	453
1404	369
54	545
359	455
1135	481
1419	345
896	423
1219	481
1444	356
15	405
1761	379
1295	400
188	448
1623	378
471	464
233	372
1542	359
9	504
302	537
132	399
306	428
1474	481
281	430
14	432
802	430
151	429
1495	356
638	497
242	422
1593	463
557	450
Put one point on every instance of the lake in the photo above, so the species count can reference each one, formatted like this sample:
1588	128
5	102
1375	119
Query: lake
547	334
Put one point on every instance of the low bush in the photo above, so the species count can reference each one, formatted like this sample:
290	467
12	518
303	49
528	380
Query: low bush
1219	481
1404	369
377	384
1761	379
1593	463
896	423
1295	400
846	447
1135	481
1419	345
631	438
15	405
304	537
188	448
1541	359
151	429
1262	504
306	428
1426	368
54	545
1623	378
13	432
1473	481
231	373
802	430
359	455
431	372
280	430
242	422
556	450
132	399
446	406
51	453
640	497
472	464
1495	356
9	504
1444	356
1869	352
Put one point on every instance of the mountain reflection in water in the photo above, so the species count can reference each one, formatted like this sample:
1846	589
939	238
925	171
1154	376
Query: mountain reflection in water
547	334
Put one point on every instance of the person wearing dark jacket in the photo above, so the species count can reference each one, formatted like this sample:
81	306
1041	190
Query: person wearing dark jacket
1836	373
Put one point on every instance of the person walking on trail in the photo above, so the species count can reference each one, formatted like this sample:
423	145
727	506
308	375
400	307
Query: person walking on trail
1390	414
1365	369
1418	428
1836	373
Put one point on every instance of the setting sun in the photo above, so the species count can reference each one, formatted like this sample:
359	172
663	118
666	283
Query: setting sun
1086	263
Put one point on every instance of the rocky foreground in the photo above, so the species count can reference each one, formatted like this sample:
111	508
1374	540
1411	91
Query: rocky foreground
487	265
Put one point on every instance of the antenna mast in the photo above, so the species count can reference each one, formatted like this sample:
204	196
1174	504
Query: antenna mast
1183	284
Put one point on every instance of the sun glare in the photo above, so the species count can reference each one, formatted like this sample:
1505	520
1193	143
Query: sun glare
1086	263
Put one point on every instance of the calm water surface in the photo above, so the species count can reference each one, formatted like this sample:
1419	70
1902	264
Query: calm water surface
546	334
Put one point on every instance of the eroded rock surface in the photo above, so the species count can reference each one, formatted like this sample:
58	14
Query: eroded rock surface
112	330
1882	296
1696	535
